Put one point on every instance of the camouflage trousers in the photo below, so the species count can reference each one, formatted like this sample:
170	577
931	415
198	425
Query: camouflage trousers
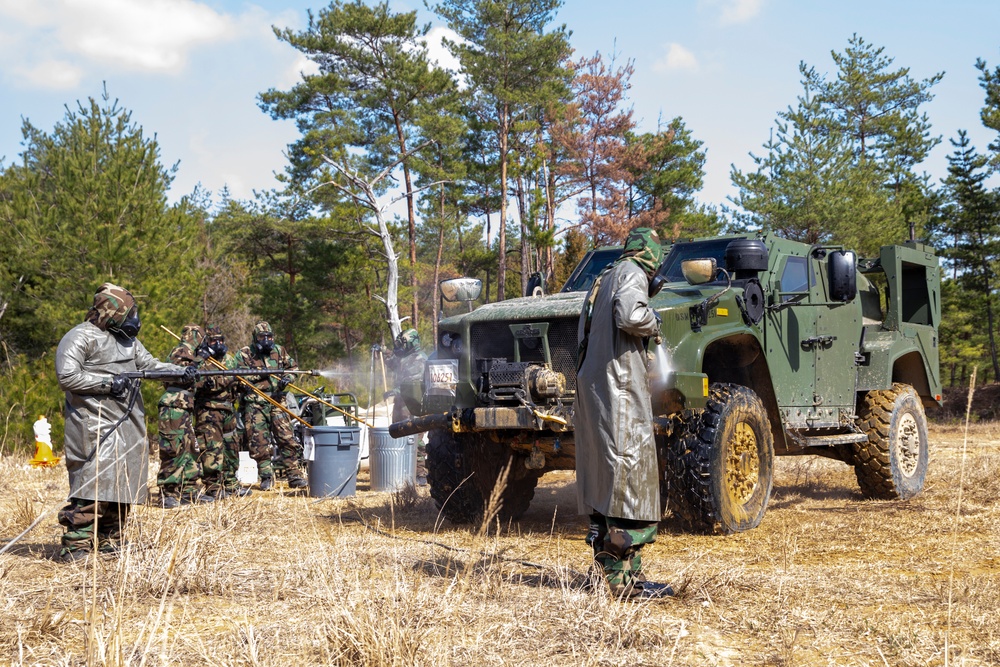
220	456
616	544
264	425
421	456
179	467
83	518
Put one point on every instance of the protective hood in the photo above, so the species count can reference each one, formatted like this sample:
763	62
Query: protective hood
192	335
113	307
407	342
263	337
643	247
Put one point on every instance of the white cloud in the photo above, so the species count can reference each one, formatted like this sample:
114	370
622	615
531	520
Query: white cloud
303	66
149	35
52	74
735	11
438	53
131	35
676	58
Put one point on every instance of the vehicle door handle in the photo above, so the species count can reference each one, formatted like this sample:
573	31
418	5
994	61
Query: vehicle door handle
818	341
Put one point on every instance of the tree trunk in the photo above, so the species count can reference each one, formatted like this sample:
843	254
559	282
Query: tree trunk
411	218
392	279
550	222
522	214
502	235
437	269
993	343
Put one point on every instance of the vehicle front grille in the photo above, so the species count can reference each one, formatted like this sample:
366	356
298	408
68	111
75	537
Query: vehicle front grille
490	340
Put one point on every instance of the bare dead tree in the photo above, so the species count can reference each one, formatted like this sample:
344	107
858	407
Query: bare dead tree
363	192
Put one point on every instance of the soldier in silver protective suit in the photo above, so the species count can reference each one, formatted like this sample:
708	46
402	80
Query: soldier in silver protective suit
616	469
107	455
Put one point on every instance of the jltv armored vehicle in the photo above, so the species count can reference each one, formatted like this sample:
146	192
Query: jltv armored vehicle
771	348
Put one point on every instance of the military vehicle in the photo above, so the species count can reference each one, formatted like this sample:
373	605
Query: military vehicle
771	348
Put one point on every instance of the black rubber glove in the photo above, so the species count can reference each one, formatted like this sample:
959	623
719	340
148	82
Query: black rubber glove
190	375
219	350
119	386
204	350
283	382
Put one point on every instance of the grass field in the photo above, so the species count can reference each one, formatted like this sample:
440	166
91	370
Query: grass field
379	579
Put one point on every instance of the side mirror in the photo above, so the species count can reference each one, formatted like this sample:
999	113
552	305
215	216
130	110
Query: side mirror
461	289
698	271
842	265
536	285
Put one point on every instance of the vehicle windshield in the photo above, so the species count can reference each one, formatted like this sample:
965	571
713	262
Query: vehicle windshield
584	274
671	267
596	261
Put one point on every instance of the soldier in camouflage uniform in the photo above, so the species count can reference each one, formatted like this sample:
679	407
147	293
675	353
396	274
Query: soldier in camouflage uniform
408	362
262	420
215	422
180	470
107	457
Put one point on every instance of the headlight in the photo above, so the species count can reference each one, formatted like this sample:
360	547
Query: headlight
451	342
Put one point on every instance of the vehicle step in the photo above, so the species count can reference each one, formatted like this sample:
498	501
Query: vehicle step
826	440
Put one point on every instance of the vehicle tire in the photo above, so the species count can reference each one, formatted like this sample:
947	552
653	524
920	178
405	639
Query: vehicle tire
462	471
721	469
666	456
892	463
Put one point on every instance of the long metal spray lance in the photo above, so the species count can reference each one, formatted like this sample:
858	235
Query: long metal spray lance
215	362
330	405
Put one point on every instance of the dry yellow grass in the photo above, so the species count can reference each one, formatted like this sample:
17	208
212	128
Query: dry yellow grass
380	580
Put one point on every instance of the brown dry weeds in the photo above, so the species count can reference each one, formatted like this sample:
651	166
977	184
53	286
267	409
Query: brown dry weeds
380	580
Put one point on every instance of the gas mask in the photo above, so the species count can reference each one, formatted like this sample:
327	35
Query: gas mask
264	342
217	344
129	328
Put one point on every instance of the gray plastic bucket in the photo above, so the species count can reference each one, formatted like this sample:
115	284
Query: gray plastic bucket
393	461
333	472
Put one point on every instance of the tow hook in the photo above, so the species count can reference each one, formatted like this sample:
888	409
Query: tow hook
536	460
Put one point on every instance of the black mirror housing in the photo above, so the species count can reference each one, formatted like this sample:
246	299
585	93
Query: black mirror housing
843	275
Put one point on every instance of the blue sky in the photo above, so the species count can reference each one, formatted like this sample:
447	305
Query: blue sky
190	70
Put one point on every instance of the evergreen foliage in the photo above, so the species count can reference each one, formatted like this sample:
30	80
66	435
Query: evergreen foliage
841	165
520	162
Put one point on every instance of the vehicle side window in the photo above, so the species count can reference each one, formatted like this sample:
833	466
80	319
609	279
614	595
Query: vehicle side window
794	277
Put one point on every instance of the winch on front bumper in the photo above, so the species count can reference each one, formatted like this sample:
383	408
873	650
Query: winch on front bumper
520	395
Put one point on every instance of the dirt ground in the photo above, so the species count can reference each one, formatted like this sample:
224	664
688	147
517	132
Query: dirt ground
380	579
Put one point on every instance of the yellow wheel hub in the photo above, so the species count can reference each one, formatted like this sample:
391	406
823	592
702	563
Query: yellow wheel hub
742	464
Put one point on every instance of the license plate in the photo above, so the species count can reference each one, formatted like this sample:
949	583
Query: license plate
442	377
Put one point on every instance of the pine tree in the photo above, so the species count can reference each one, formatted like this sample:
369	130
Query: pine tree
971	221
512	64
840	166
989	81
877	110
374	83
88	203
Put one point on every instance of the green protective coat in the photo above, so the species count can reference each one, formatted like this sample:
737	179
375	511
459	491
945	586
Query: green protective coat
87	359
616	468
